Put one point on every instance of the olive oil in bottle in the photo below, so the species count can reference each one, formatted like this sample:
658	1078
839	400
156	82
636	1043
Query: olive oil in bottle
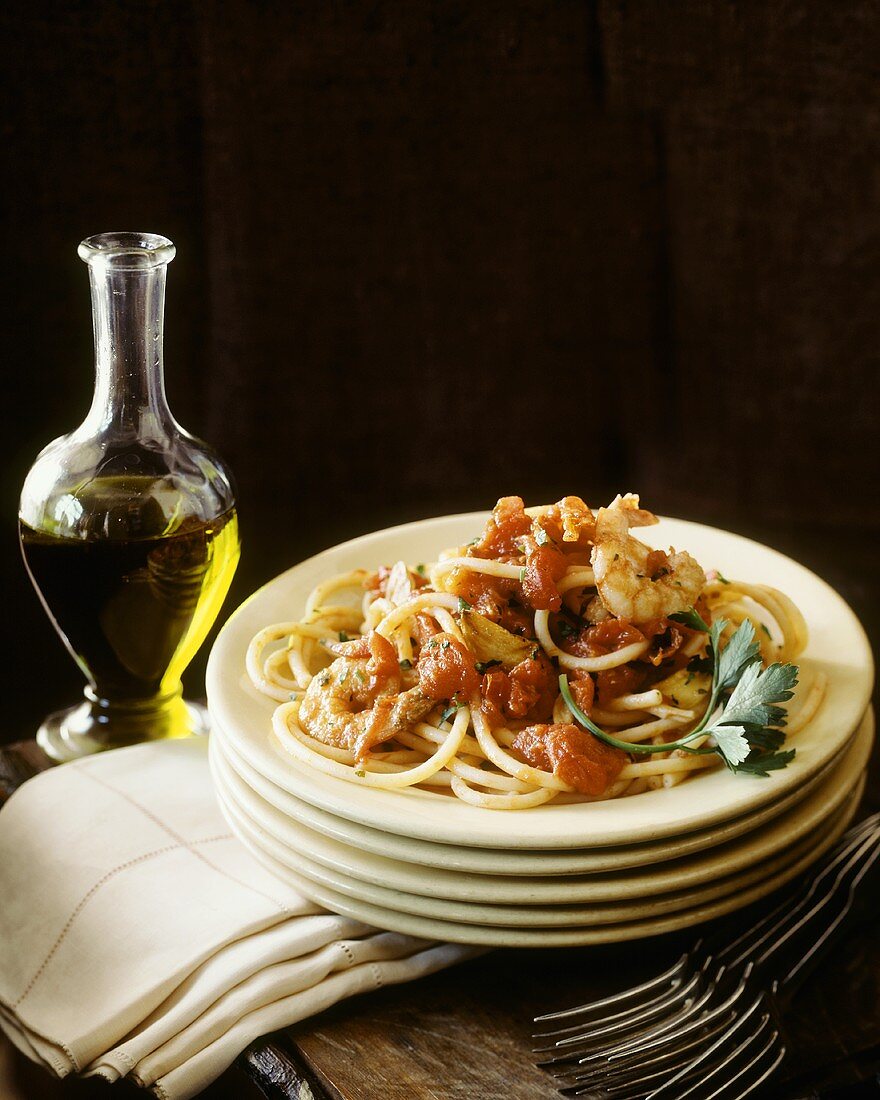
128	524
133	612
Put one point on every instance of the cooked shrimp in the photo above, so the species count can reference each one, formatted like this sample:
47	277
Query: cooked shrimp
356	702
635	582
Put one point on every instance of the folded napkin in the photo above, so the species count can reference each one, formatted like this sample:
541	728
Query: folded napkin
139	938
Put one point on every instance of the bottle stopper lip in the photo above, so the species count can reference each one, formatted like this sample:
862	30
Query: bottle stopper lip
127	251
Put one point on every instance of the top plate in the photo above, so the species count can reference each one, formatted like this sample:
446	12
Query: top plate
837	645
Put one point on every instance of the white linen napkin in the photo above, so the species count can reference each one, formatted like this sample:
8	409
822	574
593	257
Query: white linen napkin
139	938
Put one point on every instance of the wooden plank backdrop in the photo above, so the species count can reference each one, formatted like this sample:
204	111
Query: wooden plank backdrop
431	253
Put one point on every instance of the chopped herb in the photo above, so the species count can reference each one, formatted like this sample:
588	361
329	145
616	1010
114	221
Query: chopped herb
405	663
690	677
343	676
691	618
766	631
473	542
360	773
484	666
420	568
721	577
566	630
359	675
701	664
343	637
324	679
522	575
451	709
445	644
541	536
463	605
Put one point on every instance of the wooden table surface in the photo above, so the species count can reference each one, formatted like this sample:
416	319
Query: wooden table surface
464	1034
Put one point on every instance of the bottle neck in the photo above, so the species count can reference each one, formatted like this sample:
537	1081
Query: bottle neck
128	306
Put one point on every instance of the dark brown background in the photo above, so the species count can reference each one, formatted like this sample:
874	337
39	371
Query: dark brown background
430	253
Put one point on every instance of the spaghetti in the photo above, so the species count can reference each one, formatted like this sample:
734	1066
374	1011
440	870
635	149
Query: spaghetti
446	676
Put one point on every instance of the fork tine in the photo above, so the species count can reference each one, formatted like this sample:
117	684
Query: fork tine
739	1023
616	1018
662	1035
672	1059
584	1040
594	1006
772	1051
594	1048
773	1063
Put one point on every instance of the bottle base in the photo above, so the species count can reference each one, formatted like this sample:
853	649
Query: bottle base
73	733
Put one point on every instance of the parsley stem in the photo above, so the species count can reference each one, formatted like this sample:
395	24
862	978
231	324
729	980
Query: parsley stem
627	746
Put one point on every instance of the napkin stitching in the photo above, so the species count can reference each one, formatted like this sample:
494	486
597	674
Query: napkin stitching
90	893
82	904
182	840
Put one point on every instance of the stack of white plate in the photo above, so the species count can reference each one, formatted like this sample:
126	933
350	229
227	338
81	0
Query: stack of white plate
558	874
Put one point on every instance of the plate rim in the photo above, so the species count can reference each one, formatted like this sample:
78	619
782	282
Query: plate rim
527	862
468	887
483	935
577	913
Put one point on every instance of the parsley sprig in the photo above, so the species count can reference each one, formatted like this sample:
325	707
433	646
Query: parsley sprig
746	730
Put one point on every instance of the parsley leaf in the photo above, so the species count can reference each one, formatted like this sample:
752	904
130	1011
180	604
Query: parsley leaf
762	763
732	743
463	605
753	700
741	651
405	664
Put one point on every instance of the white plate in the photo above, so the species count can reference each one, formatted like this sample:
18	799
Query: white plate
641	904
454	932
495	861
837	645
738	856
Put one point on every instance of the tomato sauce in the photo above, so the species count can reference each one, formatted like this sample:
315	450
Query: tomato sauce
527	691
573	755
446	668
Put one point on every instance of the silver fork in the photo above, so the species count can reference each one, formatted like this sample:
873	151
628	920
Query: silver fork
664	993
738	1061
685	1015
